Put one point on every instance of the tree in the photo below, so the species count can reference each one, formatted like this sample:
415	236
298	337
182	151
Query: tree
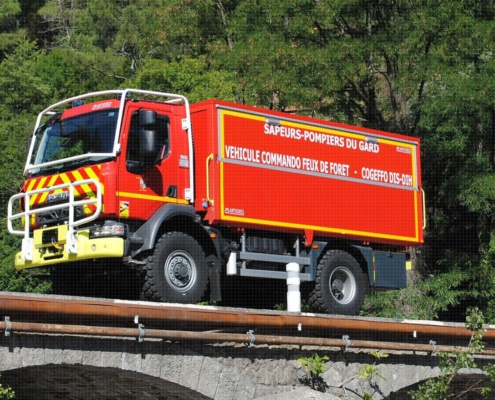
60	20
21	90
69	72
9	32
188	76
455	122
22	96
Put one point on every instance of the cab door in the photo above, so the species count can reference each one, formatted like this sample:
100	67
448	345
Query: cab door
148	169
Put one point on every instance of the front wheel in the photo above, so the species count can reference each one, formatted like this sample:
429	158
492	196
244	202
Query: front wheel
341	284
177	271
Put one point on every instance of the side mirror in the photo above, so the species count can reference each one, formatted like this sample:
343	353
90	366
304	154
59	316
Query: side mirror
147	143
148	147
147	117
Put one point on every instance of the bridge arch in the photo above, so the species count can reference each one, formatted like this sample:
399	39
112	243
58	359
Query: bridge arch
52	381
216	371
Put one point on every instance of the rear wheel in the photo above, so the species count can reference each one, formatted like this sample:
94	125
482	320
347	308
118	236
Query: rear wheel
341	284
177	271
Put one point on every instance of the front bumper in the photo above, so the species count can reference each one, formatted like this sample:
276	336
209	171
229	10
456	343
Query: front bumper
49	247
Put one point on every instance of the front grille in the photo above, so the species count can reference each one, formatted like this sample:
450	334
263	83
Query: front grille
58	217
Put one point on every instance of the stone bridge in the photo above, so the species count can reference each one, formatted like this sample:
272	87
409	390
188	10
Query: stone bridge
49	366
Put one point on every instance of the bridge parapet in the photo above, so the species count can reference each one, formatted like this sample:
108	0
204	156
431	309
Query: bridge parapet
218	371
207	356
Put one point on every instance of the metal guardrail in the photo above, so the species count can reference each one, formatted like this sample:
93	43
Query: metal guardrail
22	313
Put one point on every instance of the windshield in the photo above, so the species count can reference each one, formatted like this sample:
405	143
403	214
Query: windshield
91	134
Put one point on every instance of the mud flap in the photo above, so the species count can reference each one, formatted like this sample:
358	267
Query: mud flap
214	276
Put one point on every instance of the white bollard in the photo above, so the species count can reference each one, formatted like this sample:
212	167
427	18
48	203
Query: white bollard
293	284
232	264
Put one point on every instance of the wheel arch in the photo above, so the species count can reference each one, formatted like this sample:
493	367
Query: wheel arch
362	254
173	217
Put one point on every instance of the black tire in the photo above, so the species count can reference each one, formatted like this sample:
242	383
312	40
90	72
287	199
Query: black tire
177	271
341	285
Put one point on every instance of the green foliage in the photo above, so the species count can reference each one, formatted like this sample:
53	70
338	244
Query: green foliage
13	159
207	303
463	279
9	8
21	90
190	77
425	299
305	306
9	35
440	388
369	372
69	72
314	367
6	392
10	279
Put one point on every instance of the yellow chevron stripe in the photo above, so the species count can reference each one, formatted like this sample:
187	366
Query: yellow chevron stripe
45	182
92	174
51	182
85	188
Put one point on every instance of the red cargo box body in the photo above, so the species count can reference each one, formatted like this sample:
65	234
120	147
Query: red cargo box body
270	170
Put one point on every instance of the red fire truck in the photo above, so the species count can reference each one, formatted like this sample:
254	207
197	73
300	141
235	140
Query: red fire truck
189	193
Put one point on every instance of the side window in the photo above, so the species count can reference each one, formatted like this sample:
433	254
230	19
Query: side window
162	129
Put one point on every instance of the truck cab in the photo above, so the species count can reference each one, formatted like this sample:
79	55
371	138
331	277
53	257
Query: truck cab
97	169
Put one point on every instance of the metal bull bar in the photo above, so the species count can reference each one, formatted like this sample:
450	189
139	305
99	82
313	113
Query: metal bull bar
70	204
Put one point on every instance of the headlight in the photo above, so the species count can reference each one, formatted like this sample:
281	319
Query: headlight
108	230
